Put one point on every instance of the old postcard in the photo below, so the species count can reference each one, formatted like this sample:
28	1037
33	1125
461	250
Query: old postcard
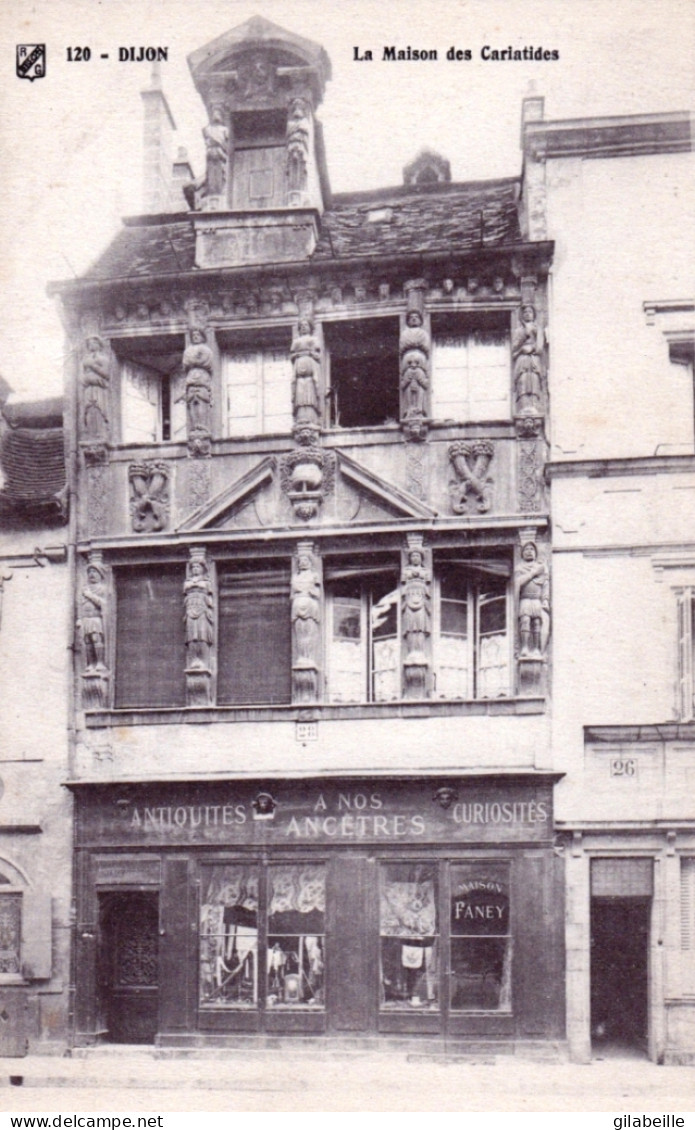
347	557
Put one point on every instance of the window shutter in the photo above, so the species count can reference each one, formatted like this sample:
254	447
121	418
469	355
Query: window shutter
688	923
141	393
277	391
150	646
36	936
254	649
685	655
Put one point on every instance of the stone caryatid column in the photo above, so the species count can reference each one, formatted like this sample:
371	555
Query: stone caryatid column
198	367
532	596
305	612
298	147
414	353
527	347
416	617
94	606
305	355
216	138
199	622
95	413
528	379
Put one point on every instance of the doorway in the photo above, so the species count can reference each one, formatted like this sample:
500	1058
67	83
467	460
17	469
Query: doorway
619	975
129	966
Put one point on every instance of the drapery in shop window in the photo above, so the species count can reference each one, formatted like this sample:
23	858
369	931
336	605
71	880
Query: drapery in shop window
408	909
229	937
299	887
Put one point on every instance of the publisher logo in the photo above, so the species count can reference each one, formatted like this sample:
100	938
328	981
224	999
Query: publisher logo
31	60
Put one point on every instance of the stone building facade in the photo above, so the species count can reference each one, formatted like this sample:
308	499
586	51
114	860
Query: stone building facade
616	195
35	808
327	778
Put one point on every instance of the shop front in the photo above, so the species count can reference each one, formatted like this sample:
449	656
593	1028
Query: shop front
305	907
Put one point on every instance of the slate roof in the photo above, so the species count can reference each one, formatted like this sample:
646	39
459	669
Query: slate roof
32	454
398	221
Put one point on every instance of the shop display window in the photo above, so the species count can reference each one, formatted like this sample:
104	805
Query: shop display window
10	932
296	936
229	936
409	936
481	944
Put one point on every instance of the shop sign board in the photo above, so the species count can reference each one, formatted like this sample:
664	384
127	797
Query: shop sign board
292	813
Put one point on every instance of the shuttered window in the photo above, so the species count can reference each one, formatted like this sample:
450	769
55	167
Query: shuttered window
688	923
153	403
254	649
470	376
472	638
150	646
363	639
686	635
258	391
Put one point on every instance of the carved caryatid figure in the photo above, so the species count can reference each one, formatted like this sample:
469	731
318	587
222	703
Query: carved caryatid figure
416	605
414	384
532	585
96	379
305	353
198	367
93	600
306	610
216	137
199	614
414	349
527	345
297	142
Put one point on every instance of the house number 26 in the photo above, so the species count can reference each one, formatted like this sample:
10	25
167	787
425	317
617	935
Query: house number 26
623	767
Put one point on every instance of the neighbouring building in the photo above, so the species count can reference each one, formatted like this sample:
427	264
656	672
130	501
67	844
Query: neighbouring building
616	195
35	808
349	712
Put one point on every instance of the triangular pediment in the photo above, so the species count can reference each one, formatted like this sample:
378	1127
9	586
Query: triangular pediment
213	514
395	501
256	33
262	498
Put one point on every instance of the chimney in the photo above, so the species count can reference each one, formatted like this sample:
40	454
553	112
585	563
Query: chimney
158	146
532	109
182	174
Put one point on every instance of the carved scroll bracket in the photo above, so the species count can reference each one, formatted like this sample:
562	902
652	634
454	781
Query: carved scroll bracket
149	495
471	490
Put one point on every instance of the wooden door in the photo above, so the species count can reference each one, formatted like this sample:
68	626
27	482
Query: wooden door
130	965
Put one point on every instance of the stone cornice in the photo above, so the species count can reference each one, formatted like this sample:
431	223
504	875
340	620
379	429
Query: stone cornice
611	468
540	252
173	544
625	136
634	735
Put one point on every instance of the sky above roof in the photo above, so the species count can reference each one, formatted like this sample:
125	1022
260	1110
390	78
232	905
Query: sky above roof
72	141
